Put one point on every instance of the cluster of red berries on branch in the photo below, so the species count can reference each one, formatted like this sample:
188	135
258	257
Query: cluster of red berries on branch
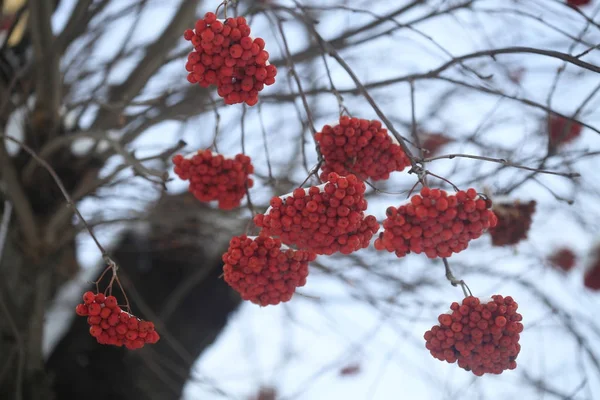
591	278
263	271
433	142
360	147
563	259
514	221
325	219
483	336
578	3
215	177
109	324
562	130
226	56
436	223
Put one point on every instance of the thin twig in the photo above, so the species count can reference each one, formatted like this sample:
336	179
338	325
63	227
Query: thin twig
505	163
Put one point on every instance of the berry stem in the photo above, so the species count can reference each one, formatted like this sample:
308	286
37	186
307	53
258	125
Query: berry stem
100	279
455	282
225	4
123	292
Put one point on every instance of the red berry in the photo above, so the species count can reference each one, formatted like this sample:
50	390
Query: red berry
94	309
89	297
82	310
95	330
110	302
100	298
210	17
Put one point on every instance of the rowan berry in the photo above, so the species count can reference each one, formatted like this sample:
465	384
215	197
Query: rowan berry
218	47
268	274
105	313
111	325
82	310
321	219
478	346
216	178
359	147
110	302
95	330
434	223
89	297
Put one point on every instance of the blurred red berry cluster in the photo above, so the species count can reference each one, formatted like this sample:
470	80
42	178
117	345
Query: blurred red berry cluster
514	221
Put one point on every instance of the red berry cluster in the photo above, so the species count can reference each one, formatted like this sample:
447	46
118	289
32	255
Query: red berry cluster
226	56
591	278
359	147
263	271
514	221
577	3
563	259
111	325
214	177
562	130
482	337
324	219
435	223
433	142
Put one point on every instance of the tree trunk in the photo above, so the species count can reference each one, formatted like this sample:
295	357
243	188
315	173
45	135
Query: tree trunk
171	275
174	269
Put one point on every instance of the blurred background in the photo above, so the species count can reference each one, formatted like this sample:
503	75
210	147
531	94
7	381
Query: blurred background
98	89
